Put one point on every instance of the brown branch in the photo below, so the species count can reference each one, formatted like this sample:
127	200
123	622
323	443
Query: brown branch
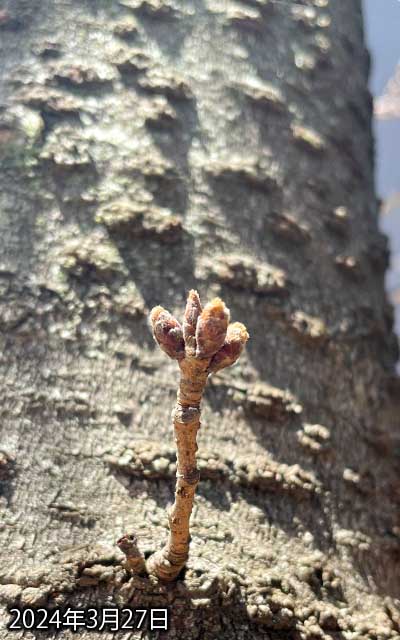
205	344
135	562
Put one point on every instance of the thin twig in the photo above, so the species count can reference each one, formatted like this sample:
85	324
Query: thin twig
205	344
135	562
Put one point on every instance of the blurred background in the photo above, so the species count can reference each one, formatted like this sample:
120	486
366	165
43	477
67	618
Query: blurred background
382	27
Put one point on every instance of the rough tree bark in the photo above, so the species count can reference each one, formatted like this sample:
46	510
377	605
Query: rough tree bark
151	146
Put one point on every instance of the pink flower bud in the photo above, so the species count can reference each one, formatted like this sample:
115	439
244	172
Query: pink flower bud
211	328
192	312
168	333
236	338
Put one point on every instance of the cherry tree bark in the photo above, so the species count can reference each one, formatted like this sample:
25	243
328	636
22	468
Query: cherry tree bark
148	147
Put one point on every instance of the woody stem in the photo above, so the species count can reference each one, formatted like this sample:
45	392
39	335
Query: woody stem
169	561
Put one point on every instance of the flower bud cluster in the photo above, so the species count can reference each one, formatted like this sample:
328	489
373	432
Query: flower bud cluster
206	333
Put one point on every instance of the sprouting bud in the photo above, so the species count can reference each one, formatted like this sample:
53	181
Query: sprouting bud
236	338
168	333
211	328
192	312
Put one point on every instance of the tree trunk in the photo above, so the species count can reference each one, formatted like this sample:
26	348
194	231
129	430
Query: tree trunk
151	146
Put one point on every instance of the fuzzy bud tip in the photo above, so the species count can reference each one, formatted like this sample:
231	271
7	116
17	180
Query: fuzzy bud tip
192	313
211	328
236	338
167	332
